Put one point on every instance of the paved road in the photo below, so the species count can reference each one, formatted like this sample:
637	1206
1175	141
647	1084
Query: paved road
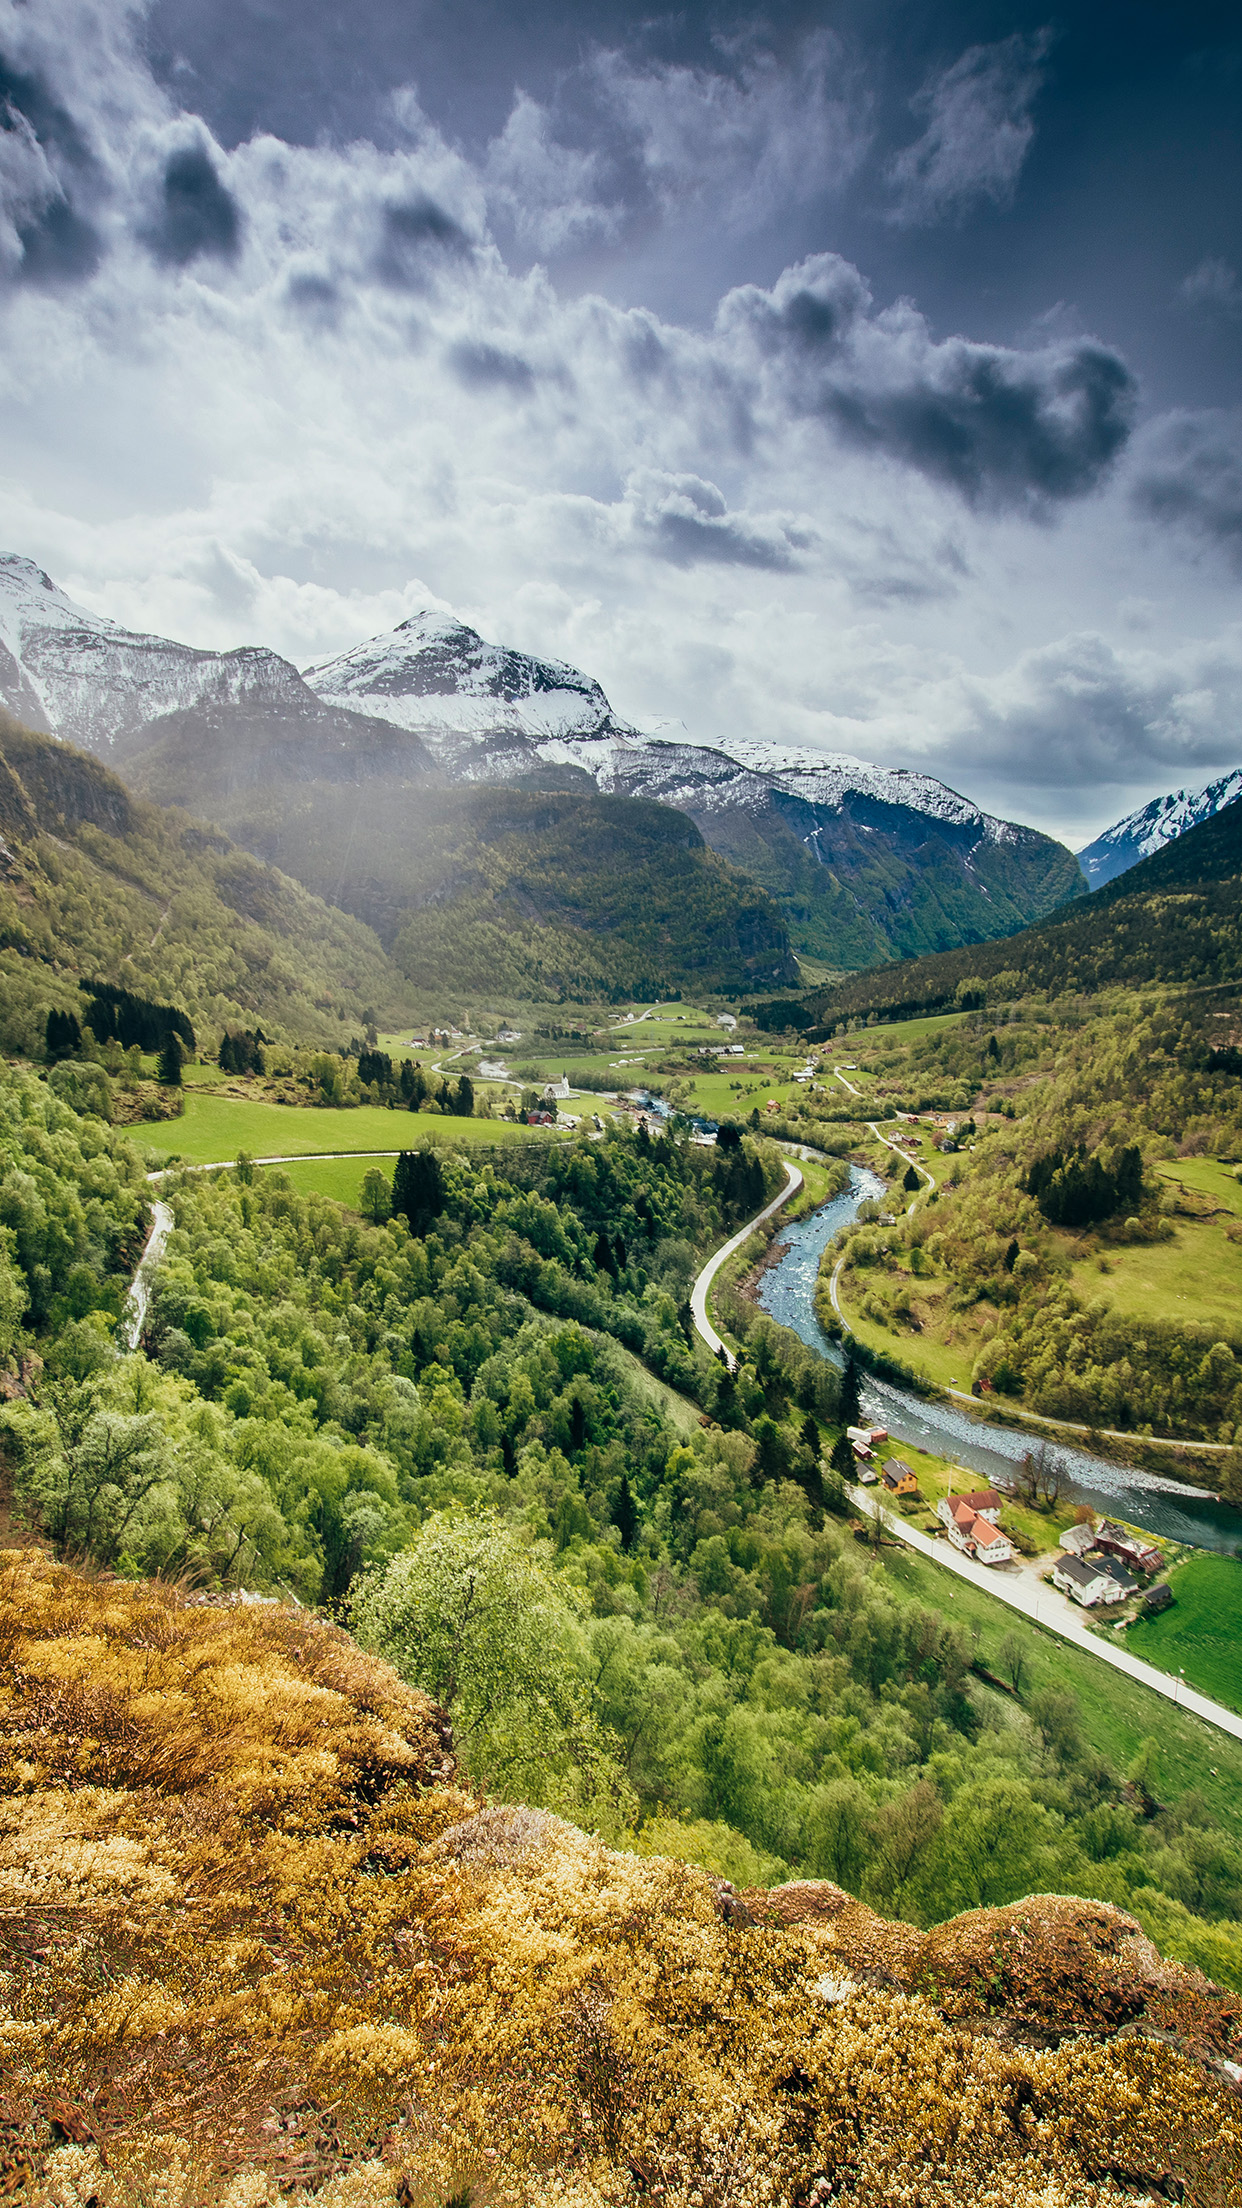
1047	1607
698	1294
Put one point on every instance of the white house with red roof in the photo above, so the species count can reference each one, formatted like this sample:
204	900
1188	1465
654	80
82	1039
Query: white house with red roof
971	1532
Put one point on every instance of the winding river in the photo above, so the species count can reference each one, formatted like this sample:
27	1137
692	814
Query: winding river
1168	1507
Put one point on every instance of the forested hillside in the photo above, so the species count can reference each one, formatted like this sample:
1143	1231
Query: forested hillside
97	884
1171	918
520	892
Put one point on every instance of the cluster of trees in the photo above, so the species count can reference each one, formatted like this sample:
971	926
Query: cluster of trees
132	1019
1078	1190
242	1052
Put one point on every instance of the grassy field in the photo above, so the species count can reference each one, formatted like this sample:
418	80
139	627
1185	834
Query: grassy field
896	1031
1206	1177
1118	1714
1197	1277
1202	1634
217	1127
339	1178
947	1364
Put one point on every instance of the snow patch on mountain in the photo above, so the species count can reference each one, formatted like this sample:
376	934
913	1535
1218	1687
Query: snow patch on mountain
486	713
78	675
1153	825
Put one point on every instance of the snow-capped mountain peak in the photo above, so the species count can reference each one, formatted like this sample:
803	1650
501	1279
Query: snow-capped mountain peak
1153	825
77	674
438	678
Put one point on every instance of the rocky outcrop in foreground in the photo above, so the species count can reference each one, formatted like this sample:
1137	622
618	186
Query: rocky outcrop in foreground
256	1945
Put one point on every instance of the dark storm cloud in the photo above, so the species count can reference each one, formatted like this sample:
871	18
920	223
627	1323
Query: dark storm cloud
59	246
1189	474
1000	426
47	169
417	234
484	367
26	97
687	521
195	214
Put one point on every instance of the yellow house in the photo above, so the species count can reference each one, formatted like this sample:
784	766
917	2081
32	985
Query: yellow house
899	1479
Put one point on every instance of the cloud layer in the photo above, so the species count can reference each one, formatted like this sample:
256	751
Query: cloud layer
289	393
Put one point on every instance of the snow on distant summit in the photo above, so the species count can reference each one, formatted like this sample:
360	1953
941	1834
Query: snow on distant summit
78	675
486	713
490	714
440	680
1152	826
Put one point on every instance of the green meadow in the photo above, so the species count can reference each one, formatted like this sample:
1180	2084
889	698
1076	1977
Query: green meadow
214	1128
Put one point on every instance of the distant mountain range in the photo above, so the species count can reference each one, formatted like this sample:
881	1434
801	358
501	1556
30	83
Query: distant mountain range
863	863
1172	918
1148	830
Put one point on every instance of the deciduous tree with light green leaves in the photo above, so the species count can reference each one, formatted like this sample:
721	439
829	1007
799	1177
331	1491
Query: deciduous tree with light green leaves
477	1617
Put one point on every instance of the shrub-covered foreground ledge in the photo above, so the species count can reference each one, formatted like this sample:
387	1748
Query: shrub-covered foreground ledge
257	1946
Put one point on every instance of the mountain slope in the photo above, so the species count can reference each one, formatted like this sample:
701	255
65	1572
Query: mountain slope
514	892
866	863
1148	830
95	883
1173	918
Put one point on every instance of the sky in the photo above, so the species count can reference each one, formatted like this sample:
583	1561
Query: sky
857	377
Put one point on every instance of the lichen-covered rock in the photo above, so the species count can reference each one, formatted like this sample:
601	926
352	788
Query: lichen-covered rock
255	1946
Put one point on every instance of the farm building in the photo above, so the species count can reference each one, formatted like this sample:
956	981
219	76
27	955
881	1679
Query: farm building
1129	1547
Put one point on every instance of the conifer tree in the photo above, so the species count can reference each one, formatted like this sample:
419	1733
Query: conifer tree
169	1069
418	1191
63	1036
625	1515
849	1403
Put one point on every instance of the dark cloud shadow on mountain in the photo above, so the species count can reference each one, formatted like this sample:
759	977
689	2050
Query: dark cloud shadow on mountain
196	214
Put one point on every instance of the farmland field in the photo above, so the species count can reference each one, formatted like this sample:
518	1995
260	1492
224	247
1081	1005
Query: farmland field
1197	1276
217	1127
1202	1633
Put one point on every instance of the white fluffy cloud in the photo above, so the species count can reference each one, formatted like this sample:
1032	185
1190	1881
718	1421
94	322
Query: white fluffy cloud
299	392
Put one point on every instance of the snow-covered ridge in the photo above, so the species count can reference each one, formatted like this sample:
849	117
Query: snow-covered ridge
486	713
1153	825
492	714
439	678
79	675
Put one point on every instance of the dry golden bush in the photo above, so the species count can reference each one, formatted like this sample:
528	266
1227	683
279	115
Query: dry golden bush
257	1946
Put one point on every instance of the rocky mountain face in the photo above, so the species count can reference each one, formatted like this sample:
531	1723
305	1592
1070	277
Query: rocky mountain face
865	863
1152	826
